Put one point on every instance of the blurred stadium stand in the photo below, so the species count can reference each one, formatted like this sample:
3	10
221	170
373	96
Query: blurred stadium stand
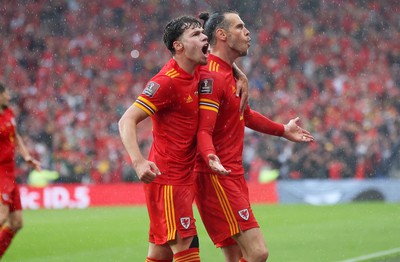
74	66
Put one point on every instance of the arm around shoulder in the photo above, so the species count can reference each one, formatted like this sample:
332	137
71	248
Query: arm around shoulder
242	87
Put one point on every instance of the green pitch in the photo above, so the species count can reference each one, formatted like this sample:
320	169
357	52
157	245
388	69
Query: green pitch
293	232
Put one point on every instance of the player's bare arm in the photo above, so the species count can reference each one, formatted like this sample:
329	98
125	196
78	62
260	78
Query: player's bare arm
242	87
295	133
145	170
26	155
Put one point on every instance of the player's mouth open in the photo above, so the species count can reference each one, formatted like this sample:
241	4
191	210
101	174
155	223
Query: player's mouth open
205	49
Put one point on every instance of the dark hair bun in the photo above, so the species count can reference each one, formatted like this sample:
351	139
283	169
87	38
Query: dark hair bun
204	16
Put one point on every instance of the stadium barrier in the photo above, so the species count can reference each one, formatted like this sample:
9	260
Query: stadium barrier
60	196
328	192
314	192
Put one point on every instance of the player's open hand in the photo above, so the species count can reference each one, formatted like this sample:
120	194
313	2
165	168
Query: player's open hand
147	171
34	164
295	133
216	166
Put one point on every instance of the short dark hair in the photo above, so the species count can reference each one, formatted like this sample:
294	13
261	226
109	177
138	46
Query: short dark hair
2	88
175	28
215	21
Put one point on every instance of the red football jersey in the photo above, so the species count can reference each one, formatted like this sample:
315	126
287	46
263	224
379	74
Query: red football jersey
171	99
221	125
7	143
218	99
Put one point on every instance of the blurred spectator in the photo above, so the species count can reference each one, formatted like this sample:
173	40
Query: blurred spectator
74	66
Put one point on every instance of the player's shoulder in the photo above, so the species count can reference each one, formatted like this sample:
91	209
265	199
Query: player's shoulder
168	77
8	115
169	74
170	70
161	79
9	111
211	79
207	73
215	68
165	75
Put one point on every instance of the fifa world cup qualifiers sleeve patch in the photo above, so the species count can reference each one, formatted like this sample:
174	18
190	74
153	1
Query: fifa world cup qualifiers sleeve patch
206	86
151	89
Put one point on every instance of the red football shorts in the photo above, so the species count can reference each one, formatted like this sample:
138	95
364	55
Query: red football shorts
224	207
10	194
170	210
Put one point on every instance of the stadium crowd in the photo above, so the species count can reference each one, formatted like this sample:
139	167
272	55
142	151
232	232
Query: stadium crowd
74	66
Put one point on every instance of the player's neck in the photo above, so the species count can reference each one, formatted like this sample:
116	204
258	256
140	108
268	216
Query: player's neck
224	53
187	65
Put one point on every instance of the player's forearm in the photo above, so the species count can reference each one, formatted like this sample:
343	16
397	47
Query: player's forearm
22	148
260	123
242	87
204	144
205	133
237	73
128	133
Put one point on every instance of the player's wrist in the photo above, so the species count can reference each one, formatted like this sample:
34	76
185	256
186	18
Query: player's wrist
209	153
136	161
285	129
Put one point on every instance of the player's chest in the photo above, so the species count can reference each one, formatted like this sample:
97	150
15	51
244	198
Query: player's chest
185	99
229	101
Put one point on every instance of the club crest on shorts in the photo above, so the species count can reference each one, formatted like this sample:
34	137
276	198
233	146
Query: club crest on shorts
244	213
185	222
151	89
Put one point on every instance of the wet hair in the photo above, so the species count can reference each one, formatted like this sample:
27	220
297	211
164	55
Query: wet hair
175	28
214	21
2	88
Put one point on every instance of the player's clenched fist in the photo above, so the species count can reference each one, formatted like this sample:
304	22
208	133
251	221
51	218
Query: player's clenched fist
147	171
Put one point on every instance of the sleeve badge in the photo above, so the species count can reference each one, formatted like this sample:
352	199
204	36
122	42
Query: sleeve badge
151	89
206	86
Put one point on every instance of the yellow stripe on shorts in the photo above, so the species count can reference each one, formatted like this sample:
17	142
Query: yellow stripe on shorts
226	207
169	212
